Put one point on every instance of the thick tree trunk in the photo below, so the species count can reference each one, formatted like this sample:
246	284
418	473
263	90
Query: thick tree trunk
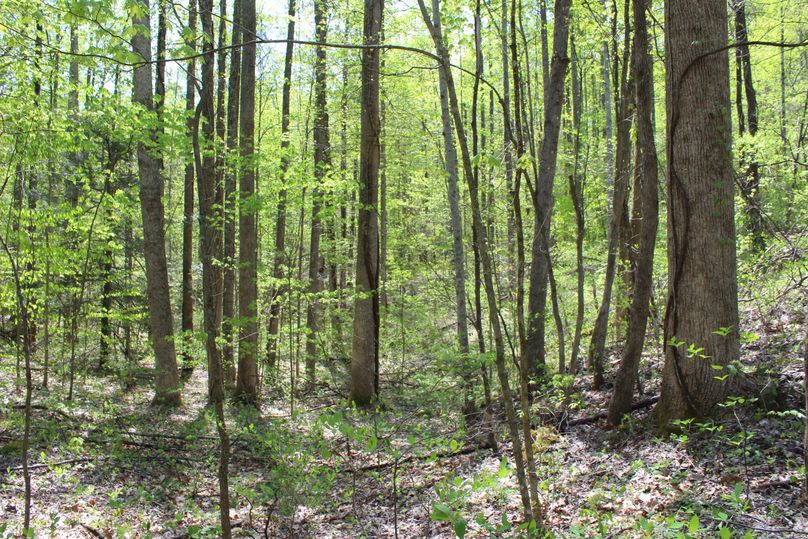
646	194
543	197
365	351
277	289
167	388
247	380
322	167
702	281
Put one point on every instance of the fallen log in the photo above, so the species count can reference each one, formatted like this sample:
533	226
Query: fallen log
602	415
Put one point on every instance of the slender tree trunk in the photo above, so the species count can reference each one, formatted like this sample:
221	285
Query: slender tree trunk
365	351
545	50
22	307
477	222
701	227
167	388
188	196
247	381
279	260
231	174
322	167
646	188
543	197
458	257
751	182
506	143
210	218
617	221
577	194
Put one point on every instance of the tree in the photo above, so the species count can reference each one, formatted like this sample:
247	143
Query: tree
167	382
365	349
624	98
701	318
278	271
247	382
750	186
322	167
543	195
456	224
647	219
230	193
187	321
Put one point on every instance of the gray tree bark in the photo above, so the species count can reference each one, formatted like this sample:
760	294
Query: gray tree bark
187	317
647	188
322	167
543	197
247	378
278	272
365	350
458	257
702	281
167	382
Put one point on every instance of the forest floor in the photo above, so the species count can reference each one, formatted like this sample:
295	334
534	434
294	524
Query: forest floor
106	464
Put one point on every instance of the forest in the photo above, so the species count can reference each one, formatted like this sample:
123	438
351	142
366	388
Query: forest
404	268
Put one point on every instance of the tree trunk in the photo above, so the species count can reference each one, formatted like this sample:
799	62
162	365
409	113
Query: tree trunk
322	167
543	197
617	221
167	388
751	181
577	195
487	270
210	218
646	190
231	174
210	238
247	381
702	281
187	320
365	351
458	257
276	290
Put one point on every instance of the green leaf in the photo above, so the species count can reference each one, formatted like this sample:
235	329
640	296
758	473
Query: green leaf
693	524
460	528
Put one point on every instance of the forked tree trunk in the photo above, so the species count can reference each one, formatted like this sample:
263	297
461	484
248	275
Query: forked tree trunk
543	197
210	218
365	350
646	194
577	194
703	297
167	381
624	103
751	181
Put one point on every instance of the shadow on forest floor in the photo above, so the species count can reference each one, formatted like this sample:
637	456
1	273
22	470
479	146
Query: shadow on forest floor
110	465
